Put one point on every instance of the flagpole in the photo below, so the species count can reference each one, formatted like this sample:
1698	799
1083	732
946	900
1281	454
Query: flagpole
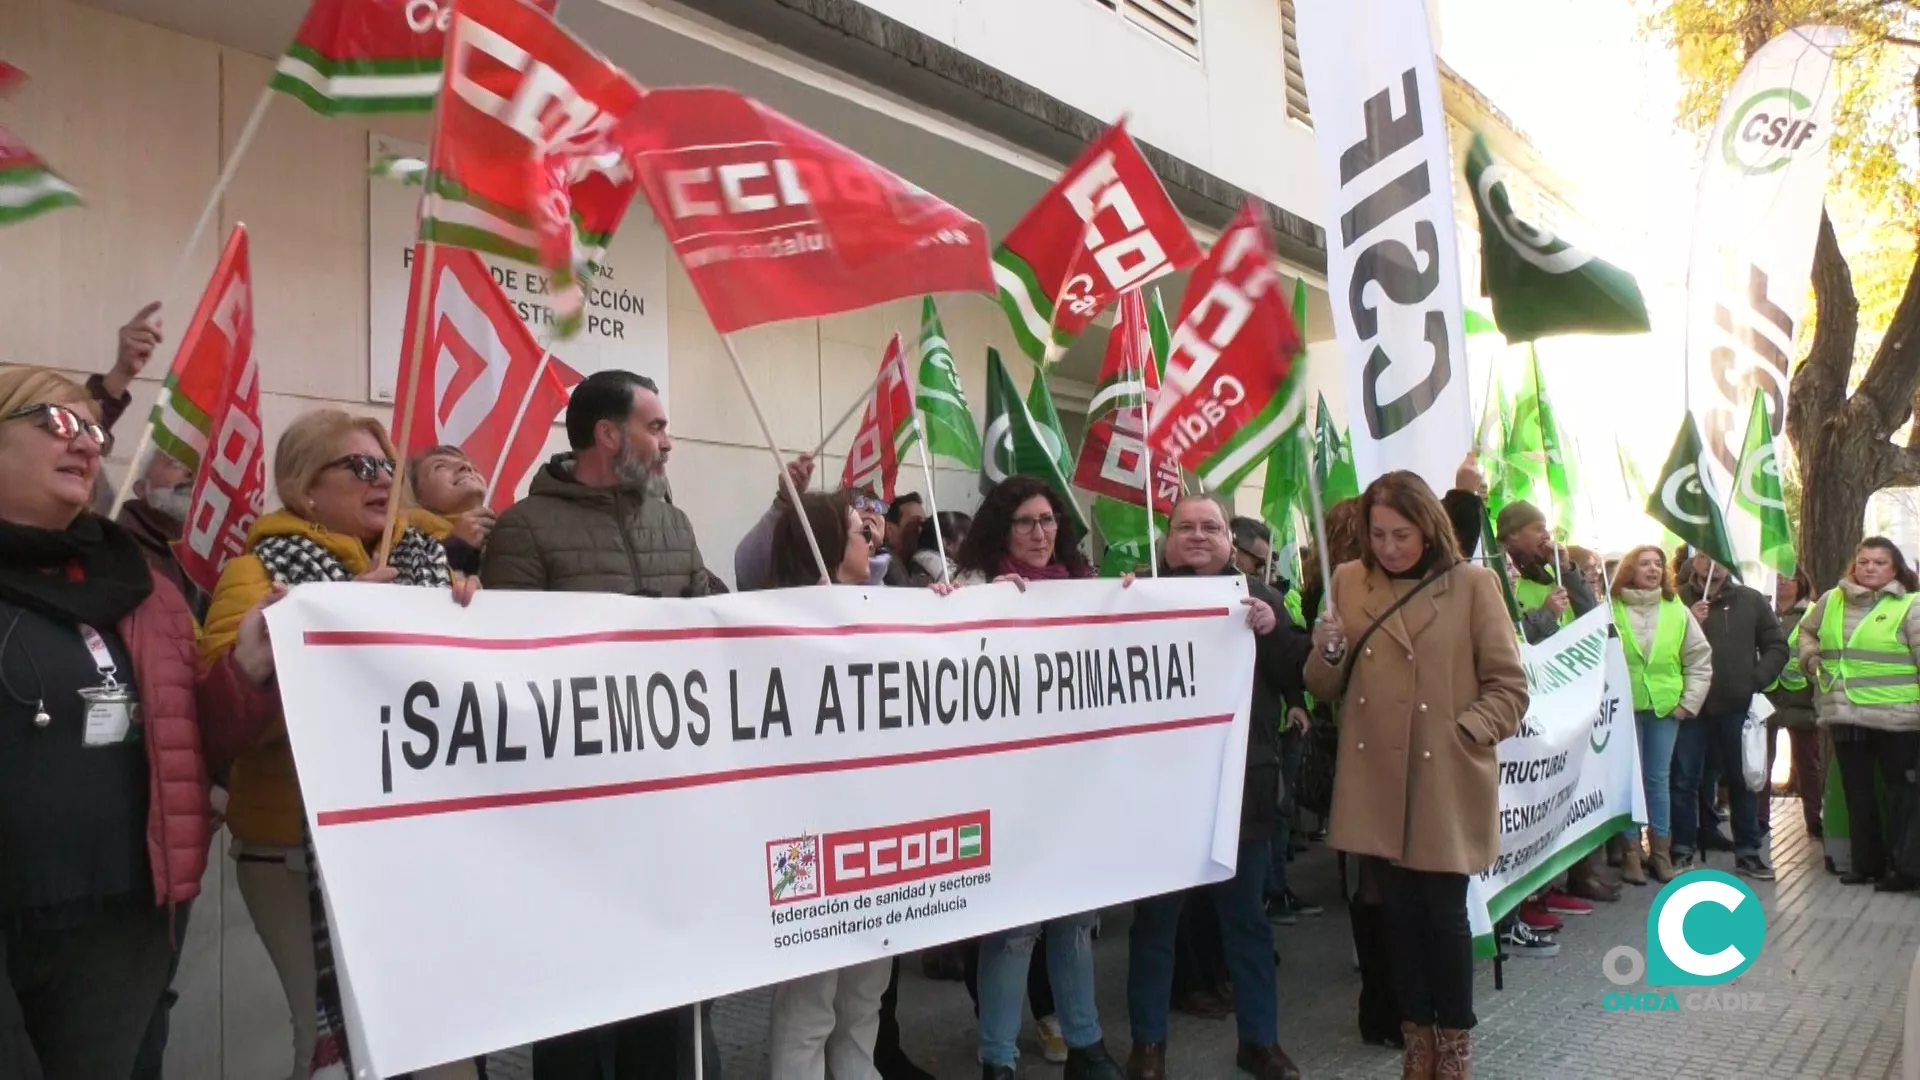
1146	450
519	414
1319	537
174	276
926	469
779	463
858	402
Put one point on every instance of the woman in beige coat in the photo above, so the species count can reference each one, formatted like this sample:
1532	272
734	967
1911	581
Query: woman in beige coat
1428	685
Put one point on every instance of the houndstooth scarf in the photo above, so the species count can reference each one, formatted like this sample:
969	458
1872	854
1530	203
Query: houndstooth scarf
298	560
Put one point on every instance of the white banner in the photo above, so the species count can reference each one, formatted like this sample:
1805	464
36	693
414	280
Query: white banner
547	812
1571	778
626	301
1393	265
1755	221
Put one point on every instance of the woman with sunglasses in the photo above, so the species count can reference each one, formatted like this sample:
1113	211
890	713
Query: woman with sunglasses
1021	533
333	473
105	741
825	1024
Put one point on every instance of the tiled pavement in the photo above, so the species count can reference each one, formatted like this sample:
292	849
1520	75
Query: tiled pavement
1831	984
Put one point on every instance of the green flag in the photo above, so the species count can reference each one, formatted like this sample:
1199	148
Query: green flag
1496	426
1539	284
951	432
1636	485
1757	491
1534	465
1333	460
1040	405
1123	526
1017	443
1685	505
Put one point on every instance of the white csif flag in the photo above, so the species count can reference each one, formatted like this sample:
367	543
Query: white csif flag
1393	267
1755	221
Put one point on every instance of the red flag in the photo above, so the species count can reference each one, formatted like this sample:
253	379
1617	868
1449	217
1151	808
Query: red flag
214	380
1105	227
774	221
1231	350
524	166
477	386
887	429
1113	459
11	78
368	56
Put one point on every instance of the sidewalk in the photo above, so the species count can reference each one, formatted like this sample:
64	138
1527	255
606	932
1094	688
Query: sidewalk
1831	985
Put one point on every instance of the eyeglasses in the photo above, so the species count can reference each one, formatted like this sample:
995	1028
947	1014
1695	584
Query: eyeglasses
364	467
1045	523
63	423
1204	528
866	533
867	504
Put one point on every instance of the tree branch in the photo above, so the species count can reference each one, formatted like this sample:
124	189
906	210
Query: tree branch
1899	467
1820	384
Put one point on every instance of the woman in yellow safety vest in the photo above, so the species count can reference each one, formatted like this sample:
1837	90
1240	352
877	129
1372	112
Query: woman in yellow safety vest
1670	665
1861	645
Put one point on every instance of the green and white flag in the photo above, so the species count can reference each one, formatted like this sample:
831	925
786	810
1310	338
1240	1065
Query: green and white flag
1333	460
1284	411
951	433
1040	405
1539	284
27	187
1123	525
1757	492
1018	444
1685	504
1534	463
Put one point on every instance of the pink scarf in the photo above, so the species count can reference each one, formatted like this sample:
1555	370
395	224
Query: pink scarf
1053	571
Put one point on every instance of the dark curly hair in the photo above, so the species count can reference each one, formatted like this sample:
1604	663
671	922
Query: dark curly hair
993	526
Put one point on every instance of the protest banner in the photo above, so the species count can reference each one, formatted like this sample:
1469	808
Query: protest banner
544	813
1571	778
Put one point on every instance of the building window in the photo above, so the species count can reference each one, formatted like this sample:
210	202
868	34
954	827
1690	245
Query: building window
1176	22
1296	75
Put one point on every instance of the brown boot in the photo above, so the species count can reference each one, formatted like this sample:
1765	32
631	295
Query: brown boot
1453	1055
1416	1061
1148	1061
1660	863
1266	1062
1632	870
1585	881
1616	851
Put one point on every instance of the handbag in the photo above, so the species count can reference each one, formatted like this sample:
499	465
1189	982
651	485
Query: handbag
1354	649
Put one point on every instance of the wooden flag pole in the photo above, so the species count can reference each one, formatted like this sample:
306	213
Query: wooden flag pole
412	360
779	463
858	402
176	275
1319	536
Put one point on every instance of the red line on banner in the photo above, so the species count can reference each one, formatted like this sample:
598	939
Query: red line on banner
359	638
433	807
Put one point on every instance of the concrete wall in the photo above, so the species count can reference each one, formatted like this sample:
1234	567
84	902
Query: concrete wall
1225	112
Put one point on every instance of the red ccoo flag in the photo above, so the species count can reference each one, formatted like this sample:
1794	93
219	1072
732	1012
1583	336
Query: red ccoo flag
1113	459
886	431
214	400
478	385
1231	350
774	221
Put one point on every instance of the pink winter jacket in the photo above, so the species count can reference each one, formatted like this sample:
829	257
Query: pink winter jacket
191	721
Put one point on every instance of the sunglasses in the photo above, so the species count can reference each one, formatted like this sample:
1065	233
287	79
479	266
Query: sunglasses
63	423
364	467
866	533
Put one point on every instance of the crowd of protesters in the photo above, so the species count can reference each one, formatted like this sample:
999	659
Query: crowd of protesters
137	712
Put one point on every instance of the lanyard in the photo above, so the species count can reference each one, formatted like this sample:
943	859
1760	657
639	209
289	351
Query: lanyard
102	659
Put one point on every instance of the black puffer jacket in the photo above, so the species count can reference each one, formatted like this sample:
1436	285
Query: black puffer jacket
1749	647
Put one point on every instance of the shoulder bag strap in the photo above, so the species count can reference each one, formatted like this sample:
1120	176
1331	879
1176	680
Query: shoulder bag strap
1359	642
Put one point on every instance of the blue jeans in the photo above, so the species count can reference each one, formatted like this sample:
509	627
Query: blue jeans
1249	942
1003	984
1657	734
1292	745
1699	737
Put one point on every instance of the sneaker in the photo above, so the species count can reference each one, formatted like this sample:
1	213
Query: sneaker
1753	866
1303	907
1280	912
1539	919
1053	1045
1561	904
1092	1063
1682	862
1520	941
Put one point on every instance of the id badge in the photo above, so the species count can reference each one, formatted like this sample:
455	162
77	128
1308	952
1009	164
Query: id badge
111	713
